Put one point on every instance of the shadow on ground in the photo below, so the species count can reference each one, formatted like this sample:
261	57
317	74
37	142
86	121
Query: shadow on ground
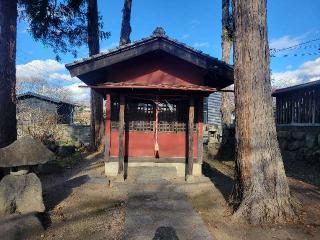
60	192
222	182
58	186
165	233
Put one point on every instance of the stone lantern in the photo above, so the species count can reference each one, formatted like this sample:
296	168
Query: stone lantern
21	191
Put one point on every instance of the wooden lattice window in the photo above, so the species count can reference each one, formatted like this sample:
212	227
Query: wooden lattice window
140	115
173	116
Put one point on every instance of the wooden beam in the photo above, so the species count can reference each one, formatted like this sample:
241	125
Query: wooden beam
190	136
200	130
107	136
121	134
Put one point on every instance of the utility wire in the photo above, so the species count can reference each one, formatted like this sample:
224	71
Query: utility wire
296	54
300	45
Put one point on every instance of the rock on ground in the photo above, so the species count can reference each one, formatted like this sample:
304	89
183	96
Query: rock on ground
21	194
18	226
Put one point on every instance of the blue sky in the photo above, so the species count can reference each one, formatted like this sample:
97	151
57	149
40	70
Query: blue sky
198	24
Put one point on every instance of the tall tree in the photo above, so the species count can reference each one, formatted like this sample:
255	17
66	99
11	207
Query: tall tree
61	25
97	126
125	26
65	26
261	193
226	44
8	33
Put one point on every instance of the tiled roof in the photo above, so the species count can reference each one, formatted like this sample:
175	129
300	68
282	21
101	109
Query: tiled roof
159	33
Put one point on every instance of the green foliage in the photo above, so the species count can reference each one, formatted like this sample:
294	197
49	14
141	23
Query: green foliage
228	31
61	25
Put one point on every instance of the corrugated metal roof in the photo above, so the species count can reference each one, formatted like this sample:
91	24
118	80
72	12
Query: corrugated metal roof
296	87
43	97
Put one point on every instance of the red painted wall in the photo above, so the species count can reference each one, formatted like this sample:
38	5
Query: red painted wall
156	69
141	144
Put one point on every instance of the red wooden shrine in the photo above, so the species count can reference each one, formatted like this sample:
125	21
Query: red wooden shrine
154	91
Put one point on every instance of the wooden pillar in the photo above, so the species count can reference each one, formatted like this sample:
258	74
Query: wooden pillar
107	134
190	136
200	130
121	134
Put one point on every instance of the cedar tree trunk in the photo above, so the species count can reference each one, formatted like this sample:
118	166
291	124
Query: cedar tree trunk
226	43
97	125
8	33
125	27
261	193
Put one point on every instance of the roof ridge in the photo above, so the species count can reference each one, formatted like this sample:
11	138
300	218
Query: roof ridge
52	99
155	36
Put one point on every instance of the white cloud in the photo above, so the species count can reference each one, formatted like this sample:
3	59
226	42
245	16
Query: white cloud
47	69
39	67
285	41
307	72
62	76
78	94
201	45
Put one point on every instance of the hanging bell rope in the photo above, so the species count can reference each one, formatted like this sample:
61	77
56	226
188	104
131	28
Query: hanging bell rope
156	144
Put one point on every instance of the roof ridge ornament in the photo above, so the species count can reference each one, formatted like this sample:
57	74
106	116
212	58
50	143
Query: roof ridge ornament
159	32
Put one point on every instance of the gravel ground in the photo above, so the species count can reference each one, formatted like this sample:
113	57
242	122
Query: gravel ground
81	205
214	203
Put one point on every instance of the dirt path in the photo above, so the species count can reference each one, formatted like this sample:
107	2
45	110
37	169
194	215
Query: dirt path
81	206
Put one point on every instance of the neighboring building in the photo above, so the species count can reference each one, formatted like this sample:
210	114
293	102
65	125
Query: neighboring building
154	90
212	109
298	105
298	124
31	102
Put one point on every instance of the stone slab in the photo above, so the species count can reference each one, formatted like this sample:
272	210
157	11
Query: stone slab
162	213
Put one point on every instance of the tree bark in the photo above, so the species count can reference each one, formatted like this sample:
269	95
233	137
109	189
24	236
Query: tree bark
8	34
261	192
97	124
125	27
226	44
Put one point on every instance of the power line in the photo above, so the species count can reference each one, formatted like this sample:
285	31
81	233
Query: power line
297	54
274	50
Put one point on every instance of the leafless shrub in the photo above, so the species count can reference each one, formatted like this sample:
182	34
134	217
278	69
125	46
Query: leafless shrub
39	124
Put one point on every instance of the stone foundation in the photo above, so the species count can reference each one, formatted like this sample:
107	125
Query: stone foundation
111	168
300	143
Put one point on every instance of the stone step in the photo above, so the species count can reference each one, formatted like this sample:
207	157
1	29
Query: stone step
151	174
